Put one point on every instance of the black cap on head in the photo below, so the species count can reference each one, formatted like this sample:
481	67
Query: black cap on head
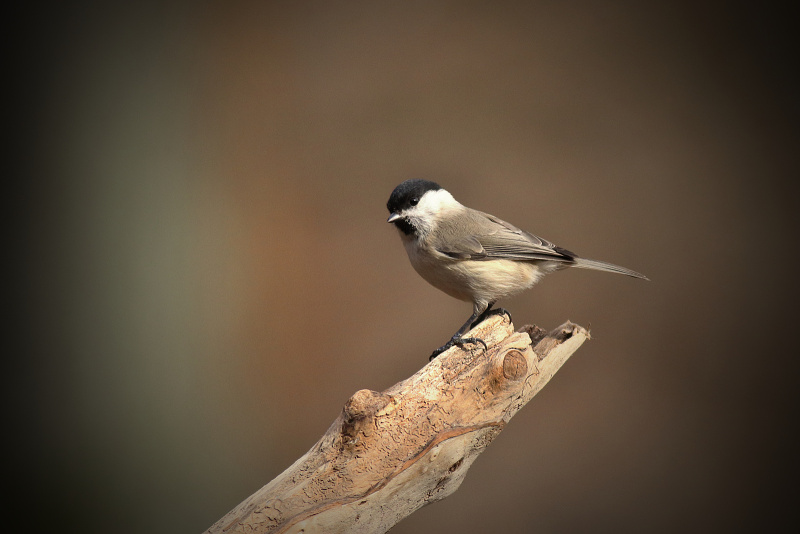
408	194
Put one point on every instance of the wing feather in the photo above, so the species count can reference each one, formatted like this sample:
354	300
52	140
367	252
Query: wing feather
493	238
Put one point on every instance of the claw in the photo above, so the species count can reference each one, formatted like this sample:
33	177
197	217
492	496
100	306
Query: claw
502	311
460	341
441	350
474	340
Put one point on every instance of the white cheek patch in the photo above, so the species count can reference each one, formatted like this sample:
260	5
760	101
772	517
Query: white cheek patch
436	201
432	206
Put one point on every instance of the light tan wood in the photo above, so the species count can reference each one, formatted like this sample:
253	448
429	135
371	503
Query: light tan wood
390	453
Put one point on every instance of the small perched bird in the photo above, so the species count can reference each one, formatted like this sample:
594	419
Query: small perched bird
471	255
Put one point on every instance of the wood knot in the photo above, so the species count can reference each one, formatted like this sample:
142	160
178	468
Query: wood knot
359	411
515	365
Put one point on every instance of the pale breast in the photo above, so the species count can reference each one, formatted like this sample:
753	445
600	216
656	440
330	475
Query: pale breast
473	281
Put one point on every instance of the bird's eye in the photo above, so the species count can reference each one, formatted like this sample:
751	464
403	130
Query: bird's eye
414	201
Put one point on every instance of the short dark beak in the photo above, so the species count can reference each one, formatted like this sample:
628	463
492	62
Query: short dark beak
393	217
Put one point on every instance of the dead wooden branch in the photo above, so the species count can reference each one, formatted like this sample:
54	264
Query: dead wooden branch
390	453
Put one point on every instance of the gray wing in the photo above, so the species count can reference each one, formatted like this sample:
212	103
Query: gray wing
492	238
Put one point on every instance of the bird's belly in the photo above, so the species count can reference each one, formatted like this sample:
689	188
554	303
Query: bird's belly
475	281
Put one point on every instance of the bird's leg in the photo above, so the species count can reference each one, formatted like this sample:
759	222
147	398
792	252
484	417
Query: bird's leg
458	340
488	312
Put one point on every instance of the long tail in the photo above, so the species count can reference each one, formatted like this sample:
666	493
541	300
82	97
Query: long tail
583	263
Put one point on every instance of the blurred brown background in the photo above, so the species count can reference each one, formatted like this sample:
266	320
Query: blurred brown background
208	274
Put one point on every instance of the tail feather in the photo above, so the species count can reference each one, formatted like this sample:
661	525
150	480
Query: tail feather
584	263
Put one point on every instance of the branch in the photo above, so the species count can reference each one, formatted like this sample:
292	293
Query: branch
390	453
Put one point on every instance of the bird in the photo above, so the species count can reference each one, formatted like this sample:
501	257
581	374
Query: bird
474	256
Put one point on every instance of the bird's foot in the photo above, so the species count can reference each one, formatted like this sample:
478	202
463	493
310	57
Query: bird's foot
490	312
460	341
